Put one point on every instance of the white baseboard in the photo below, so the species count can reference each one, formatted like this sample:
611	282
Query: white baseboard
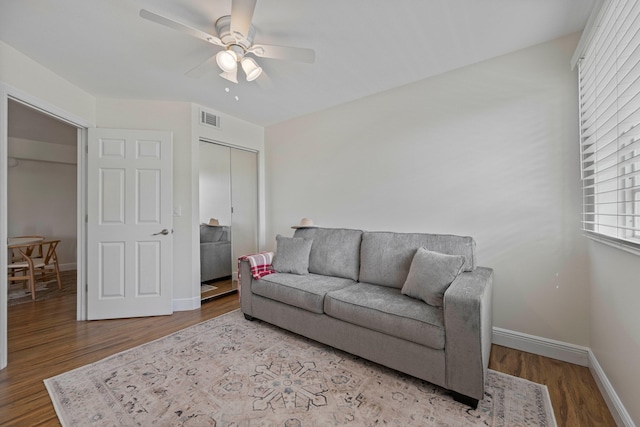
559	350
571	353
186	304
618	411
68	266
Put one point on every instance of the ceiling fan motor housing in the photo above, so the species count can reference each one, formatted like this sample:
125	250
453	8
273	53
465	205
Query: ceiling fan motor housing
223	27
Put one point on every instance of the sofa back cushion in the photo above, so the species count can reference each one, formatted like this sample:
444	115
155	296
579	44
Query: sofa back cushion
334	252
385	258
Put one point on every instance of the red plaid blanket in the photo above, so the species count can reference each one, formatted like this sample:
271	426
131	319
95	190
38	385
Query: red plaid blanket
260	264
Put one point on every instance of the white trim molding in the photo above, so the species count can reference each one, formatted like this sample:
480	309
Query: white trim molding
618	411
589	30
186	304
559	350
68	266
570	353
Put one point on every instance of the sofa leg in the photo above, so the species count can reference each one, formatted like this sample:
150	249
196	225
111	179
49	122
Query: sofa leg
465	400
246	316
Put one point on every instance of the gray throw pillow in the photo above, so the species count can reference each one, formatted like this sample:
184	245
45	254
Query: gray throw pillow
430	275
292	255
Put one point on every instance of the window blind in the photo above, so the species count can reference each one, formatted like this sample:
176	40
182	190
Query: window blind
609	85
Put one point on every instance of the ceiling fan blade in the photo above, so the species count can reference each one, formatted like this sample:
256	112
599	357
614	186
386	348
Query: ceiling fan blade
232	76
283	52
208	65
154	17
264	81
241	15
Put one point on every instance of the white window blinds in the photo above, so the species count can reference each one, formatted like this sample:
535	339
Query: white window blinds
610	125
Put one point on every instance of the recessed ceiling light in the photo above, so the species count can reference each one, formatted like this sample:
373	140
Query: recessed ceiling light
226	89
237	98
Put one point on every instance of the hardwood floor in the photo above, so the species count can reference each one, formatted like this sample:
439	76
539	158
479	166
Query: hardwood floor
574	393
224	286
46	340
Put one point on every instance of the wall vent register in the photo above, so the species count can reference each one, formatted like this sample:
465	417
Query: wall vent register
209	119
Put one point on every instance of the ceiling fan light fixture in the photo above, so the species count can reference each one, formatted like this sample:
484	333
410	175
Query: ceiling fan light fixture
251	68
227	60
230	75
235	36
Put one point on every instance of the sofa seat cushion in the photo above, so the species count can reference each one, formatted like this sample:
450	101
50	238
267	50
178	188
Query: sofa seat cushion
386	310
306	292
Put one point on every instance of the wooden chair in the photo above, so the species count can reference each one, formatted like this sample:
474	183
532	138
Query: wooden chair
46	263
19	240
21	267
34	261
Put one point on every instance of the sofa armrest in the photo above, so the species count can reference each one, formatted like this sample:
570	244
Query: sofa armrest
468	322
244	287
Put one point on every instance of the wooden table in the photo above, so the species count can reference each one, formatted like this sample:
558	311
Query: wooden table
16	241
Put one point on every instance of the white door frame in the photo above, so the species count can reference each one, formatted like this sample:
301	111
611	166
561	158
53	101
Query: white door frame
8	92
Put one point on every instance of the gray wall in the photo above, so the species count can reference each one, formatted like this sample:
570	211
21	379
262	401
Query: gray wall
489	151
615	320
42	200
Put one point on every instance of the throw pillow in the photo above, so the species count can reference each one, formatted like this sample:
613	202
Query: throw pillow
430	275
292	255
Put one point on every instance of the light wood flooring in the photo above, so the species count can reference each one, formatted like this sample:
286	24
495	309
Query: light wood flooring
45	340
223	287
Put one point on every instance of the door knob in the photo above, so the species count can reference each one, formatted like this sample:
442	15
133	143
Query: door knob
163	232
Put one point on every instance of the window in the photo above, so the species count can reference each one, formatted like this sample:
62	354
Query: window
609	71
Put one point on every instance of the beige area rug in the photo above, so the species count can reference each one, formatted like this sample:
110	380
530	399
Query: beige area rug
228	371
17	293
207	288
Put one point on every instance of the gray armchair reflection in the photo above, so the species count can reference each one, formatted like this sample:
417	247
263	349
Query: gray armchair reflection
215	252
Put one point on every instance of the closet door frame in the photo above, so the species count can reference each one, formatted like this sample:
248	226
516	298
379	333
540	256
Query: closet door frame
244	208
258	195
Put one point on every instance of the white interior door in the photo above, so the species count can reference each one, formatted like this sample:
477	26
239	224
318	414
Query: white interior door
129	224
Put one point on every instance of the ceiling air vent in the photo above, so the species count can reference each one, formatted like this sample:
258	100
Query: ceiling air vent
209	119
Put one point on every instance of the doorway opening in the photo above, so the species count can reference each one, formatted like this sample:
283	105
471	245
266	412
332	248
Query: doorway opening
228	182
42	196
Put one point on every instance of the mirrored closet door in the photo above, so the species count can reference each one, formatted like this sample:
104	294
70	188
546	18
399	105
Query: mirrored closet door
228	214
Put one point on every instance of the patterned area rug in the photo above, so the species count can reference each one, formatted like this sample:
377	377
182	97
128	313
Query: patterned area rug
19	295
228	371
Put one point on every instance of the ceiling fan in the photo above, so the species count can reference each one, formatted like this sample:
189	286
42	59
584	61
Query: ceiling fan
235	37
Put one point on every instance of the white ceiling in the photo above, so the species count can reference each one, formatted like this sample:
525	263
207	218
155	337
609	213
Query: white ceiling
362	46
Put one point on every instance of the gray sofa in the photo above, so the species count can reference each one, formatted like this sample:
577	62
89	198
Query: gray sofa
352	299
215	252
